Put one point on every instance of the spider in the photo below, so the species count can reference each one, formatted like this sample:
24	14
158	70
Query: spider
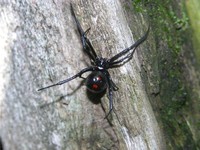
99	80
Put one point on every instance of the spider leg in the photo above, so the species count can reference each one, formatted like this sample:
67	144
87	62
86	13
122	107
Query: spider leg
71	78
87	46
115	88
114	60
110	94
122	60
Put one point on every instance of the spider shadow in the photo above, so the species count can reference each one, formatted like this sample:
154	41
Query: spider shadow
1	144
95	98
60	98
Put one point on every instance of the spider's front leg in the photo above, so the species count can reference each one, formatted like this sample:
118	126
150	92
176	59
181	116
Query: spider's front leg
87	46
124	56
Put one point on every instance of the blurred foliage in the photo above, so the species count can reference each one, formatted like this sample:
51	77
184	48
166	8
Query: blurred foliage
170	25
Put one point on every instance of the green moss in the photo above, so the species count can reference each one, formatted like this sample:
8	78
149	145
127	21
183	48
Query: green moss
193	7
169	24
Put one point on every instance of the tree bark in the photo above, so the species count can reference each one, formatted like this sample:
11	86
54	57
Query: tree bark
40	45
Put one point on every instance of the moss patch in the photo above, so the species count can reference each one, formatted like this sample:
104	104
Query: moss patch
169	24
193	7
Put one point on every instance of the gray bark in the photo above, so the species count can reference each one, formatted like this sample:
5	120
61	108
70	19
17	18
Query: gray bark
40	46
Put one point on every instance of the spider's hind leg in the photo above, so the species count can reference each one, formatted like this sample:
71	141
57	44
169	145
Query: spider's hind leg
115	88
71	78
111	87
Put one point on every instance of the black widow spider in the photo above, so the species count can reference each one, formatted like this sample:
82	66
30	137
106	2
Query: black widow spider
99	80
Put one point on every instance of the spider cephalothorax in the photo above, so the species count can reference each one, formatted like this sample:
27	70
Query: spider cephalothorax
101	63
99	80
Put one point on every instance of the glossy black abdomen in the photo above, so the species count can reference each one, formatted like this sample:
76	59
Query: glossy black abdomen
96	82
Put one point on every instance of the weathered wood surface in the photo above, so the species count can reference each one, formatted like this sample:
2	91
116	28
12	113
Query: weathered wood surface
40	45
